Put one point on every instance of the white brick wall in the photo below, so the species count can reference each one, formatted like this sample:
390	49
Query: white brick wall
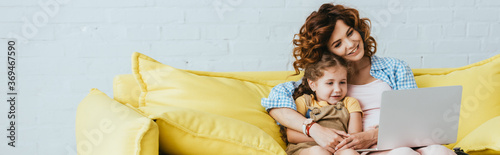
81	44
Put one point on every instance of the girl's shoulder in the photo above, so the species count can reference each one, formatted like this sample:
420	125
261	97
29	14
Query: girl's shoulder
304	97
352	104
349	99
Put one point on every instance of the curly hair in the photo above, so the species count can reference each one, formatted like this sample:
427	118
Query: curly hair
311	42
315	71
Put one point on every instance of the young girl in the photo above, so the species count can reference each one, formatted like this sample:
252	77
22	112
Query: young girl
321	97
341	31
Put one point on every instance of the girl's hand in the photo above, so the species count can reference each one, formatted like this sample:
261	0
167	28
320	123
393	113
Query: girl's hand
325	137
340	133
359	140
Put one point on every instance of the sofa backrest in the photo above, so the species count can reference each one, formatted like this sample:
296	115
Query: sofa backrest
127	90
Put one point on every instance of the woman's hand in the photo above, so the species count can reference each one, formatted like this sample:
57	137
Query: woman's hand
360	140
325	137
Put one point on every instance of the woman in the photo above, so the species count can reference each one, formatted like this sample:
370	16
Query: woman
339	30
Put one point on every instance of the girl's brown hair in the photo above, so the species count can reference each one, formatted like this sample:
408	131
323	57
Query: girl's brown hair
311	41
315	71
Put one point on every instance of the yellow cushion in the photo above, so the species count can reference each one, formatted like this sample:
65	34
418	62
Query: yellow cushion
270	75
126	90
481	89
224	94
104	126
485	137
188	131
485	152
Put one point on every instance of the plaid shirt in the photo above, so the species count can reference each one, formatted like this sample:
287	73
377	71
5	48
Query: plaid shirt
393	71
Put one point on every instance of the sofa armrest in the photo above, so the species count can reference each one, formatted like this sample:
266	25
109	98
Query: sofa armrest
105	126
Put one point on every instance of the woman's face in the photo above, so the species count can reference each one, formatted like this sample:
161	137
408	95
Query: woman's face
346	42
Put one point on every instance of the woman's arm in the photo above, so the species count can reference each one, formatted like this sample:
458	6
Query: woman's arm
297	137
355	123
404	77
280	97
325	137
288	118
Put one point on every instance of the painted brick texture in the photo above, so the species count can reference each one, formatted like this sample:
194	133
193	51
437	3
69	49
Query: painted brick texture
68	47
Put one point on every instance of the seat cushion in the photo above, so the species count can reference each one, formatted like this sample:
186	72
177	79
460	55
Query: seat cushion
224	94
188	131
484	138
105	126
480	95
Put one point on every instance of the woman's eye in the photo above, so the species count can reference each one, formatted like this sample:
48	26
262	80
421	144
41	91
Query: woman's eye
329	83
350	32
342	82
337	45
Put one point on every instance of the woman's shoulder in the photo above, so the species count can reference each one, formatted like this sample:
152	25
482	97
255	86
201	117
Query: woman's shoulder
287	85
385	62
387	59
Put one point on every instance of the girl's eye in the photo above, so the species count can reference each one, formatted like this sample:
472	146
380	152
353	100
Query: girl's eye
329	83
343	82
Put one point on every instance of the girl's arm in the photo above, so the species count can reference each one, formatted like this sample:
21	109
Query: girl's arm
294	136
325	137
360	140
355	123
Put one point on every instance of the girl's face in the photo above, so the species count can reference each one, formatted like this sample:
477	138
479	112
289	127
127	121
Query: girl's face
332	86
346	42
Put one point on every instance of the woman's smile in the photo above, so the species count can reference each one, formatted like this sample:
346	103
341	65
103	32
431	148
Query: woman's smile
355	51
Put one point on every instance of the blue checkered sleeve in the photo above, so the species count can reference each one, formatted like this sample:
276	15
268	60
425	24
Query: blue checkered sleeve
394	72
404	77
281	96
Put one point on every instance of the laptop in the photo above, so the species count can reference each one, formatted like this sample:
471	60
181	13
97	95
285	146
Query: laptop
418	117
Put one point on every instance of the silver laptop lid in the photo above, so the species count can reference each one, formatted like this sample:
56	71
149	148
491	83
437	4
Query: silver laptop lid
419	117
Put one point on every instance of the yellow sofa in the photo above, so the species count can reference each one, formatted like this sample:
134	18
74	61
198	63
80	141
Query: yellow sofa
161	109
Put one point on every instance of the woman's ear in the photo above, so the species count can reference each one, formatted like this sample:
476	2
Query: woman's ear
312	85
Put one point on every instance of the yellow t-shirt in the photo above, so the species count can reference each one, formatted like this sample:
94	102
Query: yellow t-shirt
350	103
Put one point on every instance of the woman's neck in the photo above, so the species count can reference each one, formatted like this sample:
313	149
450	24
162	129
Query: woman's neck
361	72
363	63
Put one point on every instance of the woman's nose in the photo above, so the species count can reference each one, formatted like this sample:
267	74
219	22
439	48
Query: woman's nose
349	44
